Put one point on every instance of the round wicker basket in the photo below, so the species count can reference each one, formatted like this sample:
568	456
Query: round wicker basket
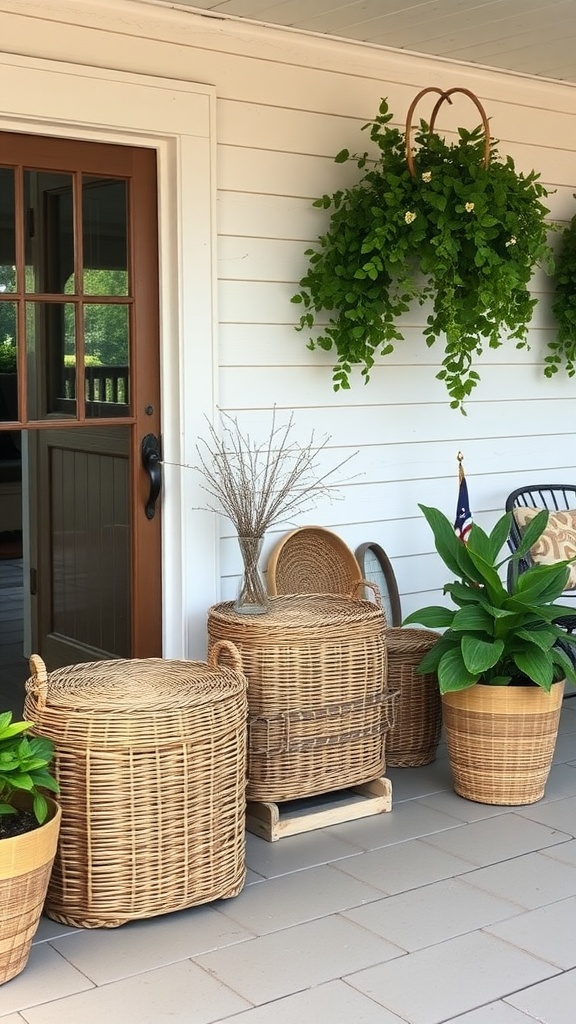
413	739
318	702
150	756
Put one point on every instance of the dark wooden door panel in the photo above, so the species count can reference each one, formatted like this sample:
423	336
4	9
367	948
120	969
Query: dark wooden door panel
89	543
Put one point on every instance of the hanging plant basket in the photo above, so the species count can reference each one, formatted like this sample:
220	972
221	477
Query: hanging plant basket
448	224
563	346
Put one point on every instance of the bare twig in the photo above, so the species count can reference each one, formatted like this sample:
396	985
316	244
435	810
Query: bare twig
258	485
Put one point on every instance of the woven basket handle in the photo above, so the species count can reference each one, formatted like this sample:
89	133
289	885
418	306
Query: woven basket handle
371	586
444	97
38	684
225	646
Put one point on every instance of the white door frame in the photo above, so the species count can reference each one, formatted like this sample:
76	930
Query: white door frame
177	119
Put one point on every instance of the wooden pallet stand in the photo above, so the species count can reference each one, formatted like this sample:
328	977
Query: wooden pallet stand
272	821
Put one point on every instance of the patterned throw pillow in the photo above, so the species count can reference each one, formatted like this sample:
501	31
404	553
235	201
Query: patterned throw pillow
558	540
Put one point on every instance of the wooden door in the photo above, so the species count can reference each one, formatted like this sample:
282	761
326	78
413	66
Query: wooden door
79	300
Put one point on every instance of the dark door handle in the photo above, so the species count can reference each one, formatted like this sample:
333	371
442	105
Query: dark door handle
151	463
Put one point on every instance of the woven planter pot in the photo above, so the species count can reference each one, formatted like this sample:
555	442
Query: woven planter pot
501	741
25	866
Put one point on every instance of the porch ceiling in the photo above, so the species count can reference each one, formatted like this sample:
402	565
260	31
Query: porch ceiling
534	37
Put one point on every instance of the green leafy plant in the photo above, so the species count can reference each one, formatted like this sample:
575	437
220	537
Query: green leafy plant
495	636
460	232
563	346
24	764
8	359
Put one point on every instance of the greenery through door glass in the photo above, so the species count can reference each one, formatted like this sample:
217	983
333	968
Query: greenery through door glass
106	330
105	325
7	322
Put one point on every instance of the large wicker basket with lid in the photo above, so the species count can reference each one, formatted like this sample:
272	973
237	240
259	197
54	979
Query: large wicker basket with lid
151	760
317	698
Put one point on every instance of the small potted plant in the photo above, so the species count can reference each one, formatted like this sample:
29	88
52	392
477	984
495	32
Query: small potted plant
500	662
29	827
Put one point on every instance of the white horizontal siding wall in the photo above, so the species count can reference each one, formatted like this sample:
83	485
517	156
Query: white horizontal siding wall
286	103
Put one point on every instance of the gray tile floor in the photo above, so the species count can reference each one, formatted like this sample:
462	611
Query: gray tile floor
441	910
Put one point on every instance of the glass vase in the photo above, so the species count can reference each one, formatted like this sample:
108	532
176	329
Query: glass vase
252	597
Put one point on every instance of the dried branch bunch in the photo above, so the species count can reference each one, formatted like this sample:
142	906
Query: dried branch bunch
257	485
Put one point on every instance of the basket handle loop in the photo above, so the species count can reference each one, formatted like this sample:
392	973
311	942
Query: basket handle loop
444	96
225	646
38	684
371	586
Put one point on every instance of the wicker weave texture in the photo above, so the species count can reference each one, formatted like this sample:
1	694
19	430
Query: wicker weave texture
151	761
414	737
311	560
22	895
317	698
501	741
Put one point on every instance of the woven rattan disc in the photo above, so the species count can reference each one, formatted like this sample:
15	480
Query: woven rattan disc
311	560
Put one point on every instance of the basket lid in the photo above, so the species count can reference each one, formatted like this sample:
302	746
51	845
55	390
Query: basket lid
294	618
137	684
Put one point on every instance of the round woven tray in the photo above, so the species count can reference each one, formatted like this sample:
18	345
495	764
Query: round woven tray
150	756
311	560
318	702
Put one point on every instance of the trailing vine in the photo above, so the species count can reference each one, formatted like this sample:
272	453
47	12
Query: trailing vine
563	346
463	232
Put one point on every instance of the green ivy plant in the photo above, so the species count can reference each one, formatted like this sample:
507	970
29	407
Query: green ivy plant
563	346
459	233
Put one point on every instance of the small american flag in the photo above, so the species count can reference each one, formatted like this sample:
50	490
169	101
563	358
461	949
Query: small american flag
463	521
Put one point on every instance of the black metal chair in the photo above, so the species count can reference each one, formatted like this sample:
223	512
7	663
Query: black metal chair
554	498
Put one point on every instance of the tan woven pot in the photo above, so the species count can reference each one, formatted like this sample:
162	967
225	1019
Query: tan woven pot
501	741
25	866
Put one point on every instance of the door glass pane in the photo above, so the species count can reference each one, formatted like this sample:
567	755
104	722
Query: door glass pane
106	348
105	235
7	233
8	367
51	359
48	231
